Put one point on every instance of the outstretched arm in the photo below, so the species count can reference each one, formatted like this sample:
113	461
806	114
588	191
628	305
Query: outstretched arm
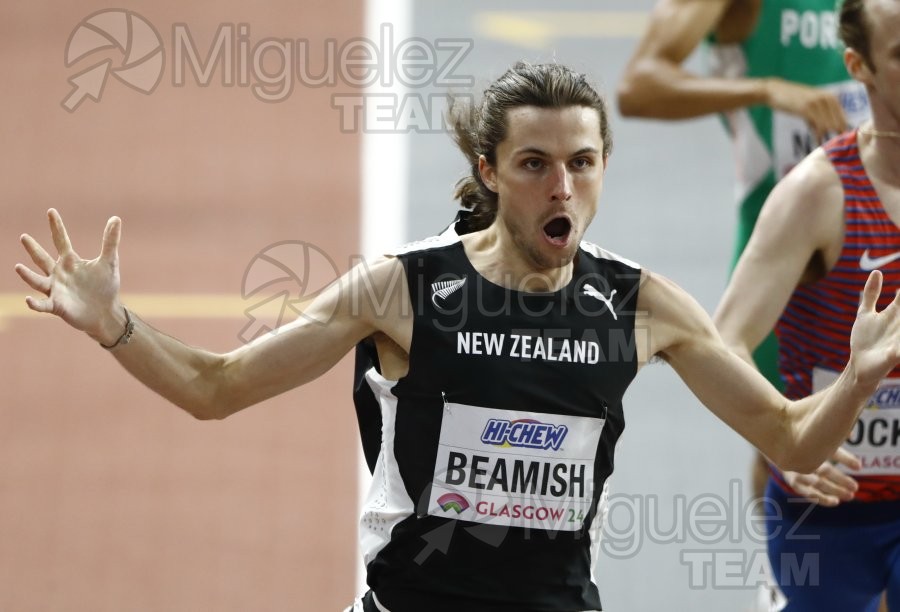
655	85
778	259
84	293
795	435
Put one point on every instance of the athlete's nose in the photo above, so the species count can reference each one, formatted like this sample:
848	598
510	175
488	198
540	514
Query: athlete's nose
562	184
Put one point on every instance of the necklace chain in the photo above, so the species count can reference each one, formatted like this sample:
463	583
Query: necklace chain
880	133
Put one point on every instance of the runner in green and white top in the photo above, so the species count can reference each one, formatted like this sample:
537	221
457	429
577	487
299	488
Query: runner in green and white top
795	40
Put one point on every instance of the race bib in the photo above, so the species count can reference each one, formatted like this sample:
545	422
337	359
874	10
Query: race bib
792	139
515	468
875	438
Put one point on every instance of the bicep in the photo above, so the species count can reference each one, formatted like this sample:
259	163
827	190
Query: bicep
730	388
364	301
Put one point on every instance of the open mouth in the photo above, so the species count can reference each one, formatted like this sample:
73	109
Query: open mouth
557	230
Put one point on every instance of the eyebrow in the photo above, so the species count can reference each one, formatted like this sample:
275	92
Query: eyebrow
541	152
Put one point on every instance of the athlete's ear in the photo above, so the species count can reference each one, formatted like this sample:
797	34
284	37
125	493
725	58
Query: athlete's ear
488	173
605	161
857	66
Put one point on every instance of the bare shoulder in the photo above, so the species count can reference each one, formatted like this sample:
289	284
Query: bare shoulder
810	197
673	316
378	269
376	291
814	177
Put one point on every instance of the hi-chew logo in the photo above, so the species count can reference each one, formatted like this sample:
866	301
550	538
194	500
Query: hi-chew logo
454	502
524	433
887	396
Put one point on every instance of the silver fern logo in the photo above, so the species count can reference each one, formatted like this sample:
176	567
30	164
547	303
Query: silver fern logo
445	289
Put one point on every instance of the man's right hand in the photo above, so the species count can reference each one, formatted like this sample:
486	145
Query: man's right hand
821	109
84	293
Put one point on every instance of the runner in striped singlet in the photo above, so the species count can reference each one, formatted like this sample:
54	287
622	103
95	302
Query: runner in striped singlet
814	330
826	226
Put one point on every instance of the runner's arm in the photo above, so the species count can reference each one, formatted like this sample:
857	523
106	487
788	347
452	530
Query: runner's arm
655	85
795	435
84	293
800	225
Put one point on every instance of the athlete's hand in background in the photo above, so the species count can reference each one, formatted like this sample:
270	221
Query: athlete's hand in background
821	109
875	338
828	485
83	293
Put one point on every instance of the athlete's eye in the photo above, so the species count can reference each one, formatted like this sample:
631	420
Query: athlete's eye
582	162
533	163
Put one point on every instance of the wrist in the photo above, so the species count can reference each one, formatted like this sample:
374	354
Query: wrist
111	326
862	385
763	93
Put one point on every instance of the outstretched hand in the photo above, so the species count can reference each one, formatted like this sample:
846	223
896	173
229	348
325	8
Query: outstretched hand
875	338
84	293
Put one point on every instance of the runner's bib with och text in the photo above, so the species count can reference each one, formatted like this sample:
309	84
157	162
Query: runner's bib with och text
875	437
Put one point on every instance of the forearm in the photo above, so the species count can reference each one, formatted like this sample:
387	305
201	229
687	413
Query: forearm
661	90
823	420
189	377
84	293
759	469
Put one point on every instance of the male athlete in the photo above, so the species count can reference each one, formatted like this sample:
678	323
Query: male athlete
504	356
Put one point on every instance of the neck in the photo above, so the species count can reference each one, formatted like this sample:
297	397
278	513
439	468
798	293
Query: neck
497	258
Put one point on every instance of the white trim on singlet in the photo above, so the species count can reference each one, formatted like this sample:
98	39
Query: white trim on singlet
595	531
387	503
602	253
753	159
446	238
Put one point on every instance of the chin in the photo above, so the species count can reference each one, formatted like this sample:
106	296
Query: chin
558	257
